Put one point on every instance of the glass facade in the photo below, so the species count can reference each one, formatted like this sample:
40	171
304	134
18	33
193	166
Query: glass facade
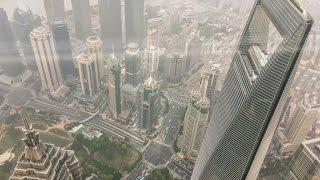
246	108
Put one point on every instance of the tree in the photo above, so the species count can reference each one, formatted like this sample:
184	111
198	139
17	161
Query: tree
160	174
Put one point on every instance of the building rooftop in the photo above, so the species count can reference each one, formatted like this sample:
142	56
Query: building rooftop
130	88
40	33
313	146
150	83
94	42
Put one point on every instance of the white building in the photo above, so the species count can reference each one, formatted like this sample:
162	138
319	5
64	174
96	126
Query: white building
89	76
152	61
196	119
46	58
94	47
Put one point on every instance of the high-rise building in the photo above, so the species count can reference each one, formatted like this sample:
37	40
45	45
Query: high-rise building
47	59
24	22
133	64
63	47
151	65
111	25
195	120
301	124
193	50
44	161
134	21
54	10
151	104
82	18
10	62
94	47
153	38
174	67
88	73
246	116
114	85
213	73
305	163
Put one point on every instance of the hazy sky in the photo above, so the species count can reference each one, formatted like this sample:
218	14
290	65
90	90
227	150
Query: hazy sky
35	5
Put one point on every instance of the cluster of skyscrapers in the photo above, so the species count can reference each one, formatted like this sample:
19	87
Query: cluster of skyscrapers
228	135
11	61
245	117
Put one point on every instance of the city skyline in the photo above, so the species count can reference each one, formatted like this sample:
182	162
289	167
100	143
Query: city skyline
159	89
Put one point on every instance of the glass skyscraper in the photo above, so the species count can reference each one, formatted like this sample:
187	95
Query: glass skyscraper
63	47
245	117
134	17
111	25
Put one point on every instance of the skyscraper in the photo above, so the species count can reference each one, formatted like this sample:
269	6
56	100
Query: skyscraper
305	163
82	18
88	73
24	22
193	49
63	47
94	47
151	104
134	21
54	10
302	121
195	121
46	58
10	62
174	67
133	64
44	161
152	61
114	85
111	25
245	118
212	72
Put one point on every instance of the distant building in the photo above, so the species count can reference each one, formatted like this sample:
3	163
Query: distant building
151	65
44	161
63	47
151	105
114	85
305	116
88	73
24	22
46	58
153	37
111	25
193	50
305	163
195	120
174	67
54	9
133	64
82	18
10	60
134	21
94	47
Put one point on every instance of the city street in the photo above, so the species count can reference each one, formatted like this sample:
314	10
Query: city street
158	154
56	108
171	124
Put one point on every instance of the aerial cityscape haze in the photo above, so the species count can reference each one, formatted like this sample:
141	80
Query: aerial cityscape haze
160	89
